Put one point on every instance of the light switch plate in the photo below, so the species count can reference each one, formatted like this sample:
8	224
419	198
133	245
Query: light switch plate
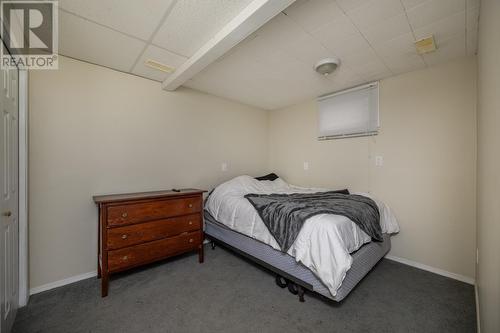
223	166
306	166
379	161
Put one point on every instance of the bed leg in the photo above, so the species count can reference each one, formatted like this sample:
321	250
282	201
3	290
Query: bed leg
212	244
301	293
281	281
293	288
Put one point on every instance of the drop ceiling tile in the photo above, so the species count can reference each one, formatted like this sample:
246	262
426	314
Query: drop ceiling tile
403	45
304	84
345	75
379	75
160	55
374	12
268	56
387	29
412	3
227	90
406	63
308	50
338	29
191	23
364	62
136	18
280	64
444	28
448	49
281	31
264	84
432	11
82	39
340	37
350	5
344	79
259	49
252	85
273	67
351	45
312	14
372	70
361	56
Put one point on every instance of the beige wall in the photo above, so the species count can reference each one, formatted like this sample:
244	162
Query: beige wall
488	167
94	130
428	142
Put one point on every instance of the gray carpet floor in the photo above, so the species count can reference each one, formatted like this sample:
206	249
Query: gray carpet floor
230	294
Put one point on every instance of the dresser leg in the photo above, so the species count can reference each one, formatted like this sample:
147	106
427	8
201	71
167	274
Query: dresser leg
99	269
200	253
104	284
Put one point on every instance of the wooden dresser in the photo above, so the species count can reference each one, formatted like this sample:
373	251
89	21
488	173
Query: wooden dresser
140	228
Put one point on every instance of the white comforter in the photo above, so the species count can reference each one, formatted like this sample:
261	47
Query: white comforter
325	241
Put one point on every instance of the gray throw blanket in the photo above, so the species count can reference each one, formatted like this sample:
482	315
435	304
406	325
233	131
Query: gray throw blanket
284	214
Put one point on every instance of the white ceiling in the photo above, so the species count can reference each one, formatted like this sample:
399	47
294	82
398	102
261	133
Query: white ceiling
271	68
123	34
373	38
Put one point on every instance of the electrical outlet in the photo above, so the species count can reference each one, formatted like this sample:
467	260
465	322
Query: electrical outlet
306	166
223	166
379	161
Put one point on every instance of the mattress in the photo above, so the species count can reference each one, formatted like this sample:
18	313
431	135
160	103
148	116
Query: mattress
325	241
364	259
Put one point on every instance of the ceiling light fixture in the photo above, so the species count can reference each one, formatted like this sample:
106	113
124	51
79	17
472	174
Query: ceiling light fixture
158	66
327	66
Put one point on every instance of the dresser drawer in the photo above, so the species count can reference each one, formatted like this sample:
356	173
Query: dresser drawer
152	251
147	211
148	231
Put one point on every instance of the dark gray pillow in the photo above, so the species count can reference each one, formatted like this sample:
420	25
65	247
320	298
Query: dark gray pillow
271	177
344	191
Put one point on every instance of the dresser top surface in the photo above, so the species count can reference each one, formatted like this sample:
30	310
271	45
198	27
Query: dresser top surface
146	195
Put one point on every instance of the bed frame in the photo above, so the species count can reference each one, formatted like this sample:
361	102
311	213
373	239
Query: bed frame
289	273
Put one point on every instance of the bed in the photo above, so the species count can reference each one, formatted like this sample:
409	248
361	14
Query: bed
330	255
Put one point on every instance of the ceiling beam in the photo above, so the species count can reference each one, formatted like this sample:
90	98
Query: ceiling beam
255	15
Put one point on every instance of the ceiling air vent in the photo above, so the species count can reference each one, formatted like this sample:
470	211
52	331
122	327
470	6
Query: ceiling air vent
425	45
158	66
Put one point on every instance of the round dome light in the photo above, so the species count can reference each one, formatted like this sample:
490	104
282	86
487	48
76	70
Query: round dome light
327	66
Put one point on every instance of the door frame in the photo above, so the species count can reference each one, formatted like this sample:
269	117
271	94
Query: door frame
23	188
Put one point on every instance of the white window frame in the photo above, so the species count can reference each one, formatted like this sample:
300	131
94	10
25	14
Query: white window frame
353	135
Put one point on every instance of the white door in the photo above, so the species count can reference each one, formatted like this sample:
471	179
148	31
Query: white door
9	201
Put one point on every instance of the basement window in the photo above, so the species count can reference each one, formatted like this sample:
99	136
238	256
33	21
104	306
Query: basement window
349	113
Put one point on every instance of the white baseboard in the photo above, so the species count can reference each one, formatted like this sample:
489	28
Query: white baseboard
69	280
62	282
478	317
439	271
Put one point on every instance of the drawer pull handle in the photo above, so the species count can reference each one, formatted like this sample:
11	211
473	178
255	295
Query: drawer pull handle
124	215
190	240
190	222
125	257
124	236
190	205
